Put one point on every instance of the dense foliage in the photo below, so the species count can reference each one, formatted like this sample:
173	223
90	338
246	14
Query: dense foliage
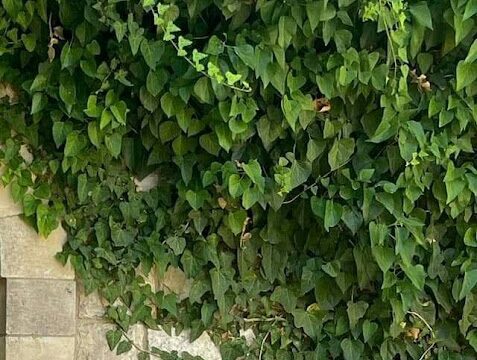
315	166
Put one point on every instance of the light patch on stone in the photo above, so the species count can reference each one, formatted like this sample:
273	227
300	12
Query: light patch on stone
39	348
24	254
26	154
148	183
248	335
90	306
91	341
203	346
175	281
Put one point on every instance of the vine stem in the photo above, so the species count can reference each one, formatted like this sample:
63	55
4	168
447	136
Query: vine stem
308	187
252	320
203	72
137	347
263	344
430	347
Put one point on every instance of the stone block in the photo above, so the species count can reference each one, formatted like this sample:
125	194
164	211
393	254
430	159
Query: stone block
8	207
24	254
203	346
40	307
91	341
175	281
90	306
37	348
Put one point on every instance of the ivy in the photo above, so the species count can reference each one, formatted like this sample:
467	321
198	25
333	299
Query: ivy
312	166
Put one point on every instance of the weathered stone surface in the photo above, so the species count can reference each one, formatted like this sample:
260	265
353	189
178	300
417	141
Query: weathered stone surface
8	207
90	306
148	183
3	306
175	281
91	341
24	254
40	307
203	346
38	348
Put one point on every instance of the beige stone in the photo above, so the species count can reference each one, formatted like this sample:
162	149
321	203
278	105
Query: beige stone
40	307
91	341
8	207
175	281
24	254
38	348
90	306
148	183
203	346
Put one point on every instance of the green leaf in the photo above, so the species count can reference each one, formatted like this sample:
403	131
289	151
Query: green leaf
155	81
113	144
356	311
12	7
369	329
352	349
422	14
67	90
177	244
196	199
309	322
285	297
220	283
120	29
291	109
466	75
29	41
416	274
119	111
333	214
472	55
470	280
254	172
82	188
152	52
470	9
246	53
340	153
123	347
113	337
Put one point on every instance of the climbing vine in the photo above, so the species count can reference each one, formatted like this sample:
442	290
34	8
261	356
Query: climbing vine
313	164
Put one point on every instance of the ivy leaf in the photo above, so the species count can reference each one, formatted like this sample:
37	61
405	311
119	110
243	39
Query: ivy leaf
466	75
470	280
422	14
356	311
369	329
291	109
196	199
113	337
113	144
254	172
309	322
220	284
119	111
177	244
333	214
352	349
123	347
155	81
285	297
416	274
152	52
340	153
246	53
470	9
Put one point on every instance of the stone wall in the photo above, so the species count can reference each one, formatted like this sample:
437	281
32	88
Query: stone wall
44	314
